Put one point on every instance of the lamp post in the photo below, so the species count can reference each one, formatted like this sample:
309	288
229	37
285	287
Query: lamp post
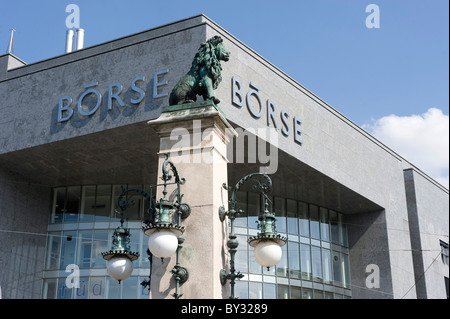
267	244
119	260
165	236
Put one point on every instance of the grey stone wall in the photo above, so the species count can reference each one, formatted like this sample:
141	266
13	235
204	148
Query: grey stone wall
428	207
31	94
24	211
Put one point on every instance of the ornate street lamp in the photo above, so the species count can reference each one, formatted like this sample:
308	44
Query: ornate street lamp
119	260
267	244
165	236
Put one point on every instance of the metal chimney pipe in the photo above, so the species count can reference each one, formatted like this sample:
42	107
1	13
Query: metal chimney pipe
69	40
80	39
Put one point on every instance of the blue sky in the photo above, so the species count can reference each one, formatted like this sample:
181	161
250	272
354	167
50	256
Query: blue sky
372	76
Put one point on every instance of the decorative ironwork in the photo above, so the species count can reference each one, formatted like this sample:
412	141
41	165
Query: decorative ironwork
266	223
146	283
121	243
163	215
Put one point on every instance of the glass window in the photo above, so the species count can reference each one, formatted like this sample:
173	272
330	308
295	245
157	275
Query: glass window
241	258
444	252
49	289
270	291
303	219
53	250
147	213
253	266
316	259
87	210
447	286
282	292
59	196
113	288
294	260
72	206
103	204
345	271
241	289
334	227
255	290
328	295
69	241
136	242
137	204
63	291
82	292
270	271
281	215
307	293
324	225
115	209
296	293
282	266
327	266
342	230
305	260
133	212
130	288
314	221
336	268
143	260
318	294
97	288
241	221
100	243
253	209
84	248
292	217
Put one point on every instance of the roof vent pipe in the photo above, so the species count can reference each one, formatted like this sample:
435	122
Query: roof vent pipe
69	40
80	39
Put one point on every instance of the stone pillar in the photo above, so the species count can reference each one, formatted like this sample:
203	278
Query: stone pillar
195	136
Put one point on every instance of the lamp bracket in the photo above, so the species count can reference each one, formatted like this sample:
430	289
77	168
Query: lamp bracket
180	273
223	277
222	213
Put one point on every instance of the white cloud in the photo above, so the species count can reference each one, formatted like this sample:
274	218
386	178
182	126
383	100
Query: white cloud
423	140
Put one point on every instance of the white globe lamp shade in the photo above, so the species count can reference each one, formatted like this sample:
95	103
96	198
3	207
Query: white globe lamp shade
119	268
163	243
267	253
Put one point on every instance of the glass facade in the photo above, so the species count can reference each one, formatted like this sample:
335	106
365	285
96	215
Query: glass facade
315	261
81	226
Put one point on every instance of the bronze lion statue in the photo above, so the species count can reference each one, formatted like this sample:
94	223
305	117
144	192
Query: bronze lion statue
204	76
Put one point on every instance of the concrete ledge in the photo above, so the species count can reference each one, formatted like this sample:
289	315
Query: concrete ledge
190	112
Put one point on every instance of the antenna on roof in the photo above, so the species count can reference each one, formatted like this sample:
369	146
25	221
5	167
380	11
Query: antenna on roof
10	48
